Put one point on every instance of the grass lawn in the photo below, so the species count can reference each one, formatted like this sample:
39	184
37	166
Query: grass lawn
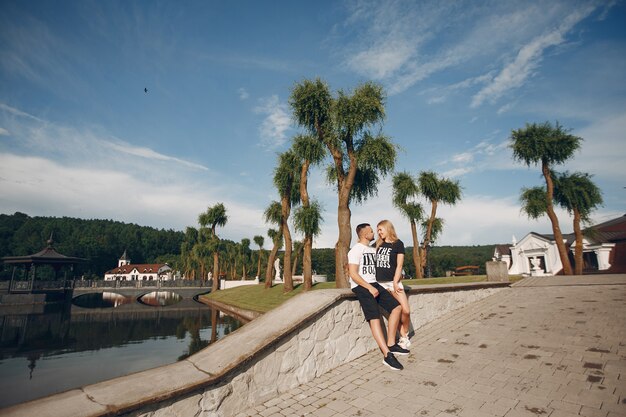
257	298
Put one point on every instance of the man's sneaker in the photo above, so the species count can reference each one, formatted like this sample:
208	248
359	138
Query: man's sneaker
404	342
392	362
398	350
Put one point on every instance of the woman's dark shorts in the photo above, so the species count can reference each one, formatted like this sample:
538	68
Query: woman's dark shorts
370	305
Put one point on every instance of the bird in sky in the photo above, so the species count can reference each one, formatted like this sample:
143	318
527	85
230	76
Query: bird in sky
145	90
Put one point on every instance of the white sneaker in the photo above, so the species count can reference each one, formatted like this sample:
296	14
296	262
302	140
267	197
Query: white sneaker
404	342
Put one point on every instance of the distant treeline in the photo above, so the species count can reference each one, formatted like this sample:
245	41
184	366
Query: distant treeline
102	242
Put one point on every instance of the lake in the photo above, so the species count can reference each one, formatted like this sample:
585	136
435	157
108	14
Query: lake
52	348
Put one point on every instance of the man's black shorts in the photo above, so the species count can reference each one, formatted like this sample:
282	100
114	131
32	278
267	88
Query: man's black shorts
370	305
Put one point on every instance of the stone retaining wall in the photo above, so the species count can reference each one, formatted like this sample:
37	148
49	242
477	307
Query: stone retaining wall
291	345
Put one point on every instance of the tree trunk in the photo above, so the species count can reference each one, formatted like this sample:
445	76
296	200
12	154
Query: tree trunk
429	230
258	269
294	264
558	236
578	255
342	246
216	272
287	279
269	276
416	256
307	272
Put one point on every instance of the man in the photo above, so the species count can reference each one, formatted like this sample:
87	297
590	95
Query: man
362	269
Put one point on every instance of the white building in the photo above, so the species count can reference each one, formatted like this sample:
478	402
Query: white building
537	255
126	271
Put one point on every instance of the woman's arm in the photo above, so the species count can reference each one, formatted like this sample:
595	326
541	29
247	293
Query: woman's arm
397	276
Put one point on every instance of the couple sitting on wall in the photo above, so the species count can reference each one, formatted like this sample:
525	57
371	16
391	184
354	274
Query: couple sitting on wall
375	274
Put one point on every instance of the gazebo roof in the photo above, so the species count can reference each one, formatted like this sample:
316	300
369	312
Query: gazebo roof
46	256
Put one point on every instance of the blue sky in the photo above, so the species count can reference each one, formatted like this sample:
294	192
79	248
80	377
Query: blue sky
80	138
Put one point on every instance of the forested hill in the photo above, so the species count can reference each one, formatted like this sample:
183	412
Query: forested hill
100	241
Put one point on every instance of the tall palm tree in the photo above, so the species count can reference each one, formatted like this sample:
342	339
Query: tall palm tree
547	145
244	254
273	216
404	189
214	216
311	152
436	190
577	194
286	180
307	220
259	241
344	124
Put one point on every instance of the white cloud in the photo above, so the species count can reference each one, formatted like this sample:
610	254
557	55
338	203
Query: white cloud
243	94
486	155
527	60
39	186
403	42
4	132
73	144
602	152
19	113
273	129
148	153
505	108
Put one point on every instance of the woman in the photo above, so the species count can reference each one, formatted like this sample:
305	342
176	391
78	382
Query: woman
389	260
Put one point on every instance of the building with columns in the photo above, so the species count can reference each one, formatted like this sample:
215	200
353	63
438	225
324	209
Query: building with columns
604	251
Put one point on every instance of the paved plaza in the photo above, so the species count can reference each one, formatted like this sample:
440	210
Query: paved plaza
547	347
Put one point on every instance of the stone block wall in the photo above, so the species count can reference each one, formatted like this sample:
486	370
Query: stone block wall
340	334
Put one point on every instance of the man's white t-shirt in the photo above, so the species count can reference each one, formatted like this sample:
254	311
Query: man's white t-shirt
365	258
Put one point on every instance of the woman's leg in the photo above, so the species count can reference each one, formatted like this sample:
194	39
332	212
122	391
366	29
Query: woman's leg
405	316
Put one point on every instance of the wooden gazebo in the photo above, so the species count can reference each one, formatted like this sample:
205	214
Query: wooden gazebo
30	263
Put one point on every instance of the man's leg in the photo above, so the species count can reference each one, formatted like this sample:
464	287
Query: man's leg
379	337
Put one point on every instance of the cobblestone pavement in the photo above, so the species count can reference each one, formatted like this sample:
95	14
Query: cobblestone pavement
537	350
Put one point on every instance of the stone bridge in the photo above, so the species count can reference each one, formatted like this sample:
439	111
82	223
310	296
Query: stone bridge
188	293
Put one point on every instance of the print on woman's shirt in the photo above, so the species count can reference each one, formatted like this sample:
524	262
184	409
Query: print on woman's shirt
383	257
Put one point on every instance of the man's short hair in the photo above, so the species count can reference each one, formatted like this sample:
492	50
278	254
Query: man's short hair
361	227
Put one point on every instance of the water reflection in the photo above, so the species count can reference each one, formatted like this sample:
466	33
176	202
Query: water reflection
101	300
160	298
66	347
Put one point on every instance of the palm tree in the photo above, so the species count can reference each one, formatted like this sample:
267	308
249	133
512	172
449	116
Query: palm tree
343	124
436	190
405	188
259	241
272	215
286	180
307	220
244	254
311	152
214	216
187	256
577	194
547	145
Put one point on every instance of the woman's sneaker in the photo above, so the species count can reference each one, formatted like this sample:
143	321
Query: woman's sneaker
404	342
398	350
392	362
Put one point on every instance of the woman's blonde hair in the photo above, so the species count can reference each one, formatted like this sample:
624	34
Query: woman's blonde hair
392	236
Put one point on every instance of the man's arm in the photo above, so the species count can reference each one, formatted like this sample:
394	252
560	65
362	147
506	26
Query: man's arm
353	269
